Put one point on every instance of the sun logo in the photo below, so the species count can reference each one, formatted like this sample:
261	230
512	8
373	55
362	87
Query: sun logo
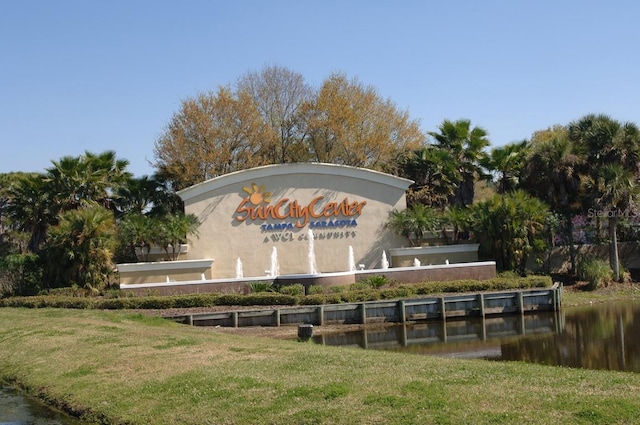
257	194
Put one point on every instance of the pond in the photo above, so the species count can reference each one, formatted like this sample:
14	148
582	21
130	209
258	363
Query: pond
18	409
604	336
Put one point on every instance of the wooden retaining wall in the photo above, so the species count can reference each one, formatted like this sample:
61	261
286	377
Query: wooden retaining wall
483	329
395	311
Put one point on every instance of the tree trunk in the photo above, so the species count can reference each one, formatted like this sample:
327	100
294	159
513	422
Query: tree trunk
613	248
572	248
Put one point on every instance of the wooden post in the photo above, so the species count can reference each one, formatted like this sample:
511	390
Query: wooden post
403	313
363	307
481	301
520	302
443	308
234	318
277	316
320	315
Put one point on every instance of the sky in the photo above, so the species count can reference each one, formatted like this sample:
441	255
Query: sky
82	75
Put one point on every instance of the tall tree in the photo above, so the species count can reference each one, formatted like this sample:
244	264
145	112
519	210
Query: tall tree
612	152
174	230
279	95
350	124
466	147
434	173
88	177
31	208
615	190
510	228
552	173
507	162
81	247
212	134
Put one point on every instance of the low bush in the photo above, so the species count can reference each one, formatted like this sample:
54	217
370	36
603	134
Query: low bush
315	289
358	292
402	291
255	287
198	300
595	272
376	282
69	302
262	298
359	286
296	289
337	289
320	299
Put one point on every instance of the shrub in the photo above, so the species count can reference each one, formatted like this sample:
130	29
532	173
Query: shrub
198	300
255	287
375	282
67	291
271	298
337	289
596	272
116	304
70	302
319	299
358	292
397	292
367	294
315	289
359	286
295	289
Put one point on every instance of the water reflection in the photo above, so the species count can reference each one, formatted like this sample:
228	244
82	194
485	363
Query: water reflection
17	409
606	336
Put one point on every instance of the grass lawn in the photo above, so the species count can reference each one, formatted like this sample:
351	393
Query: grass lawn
128	368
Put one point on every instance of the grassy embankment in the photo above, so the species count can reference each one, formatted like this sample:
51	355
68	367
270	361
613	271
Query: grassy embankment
119	367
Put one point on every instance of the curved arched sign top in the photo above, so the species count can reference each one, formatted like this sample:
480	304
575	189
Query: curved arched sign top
255	174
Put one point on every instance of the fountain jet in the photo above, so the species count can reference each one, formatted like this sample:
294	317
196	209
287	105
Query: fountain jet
311	254
384	262
239	271
352	260
275	267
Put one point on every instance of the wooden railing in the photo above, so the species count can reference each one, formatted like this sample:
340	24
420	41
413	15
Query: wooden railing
395	311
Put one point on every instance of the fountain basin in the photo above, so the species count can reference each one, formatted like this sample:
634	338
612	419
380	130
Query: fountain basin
439	254
441	272
163	271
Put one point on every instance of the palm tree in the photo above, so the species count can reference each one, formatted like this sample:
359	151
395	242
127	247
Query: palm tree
89	177
434	173
31	209
510	228
143	195
82	247
612	151
173	230
552	173
507	161
414	223
465	146
137	232
615	190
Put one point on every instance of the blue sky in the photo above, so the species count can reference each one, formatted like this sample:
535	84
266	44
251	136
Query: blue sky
80	75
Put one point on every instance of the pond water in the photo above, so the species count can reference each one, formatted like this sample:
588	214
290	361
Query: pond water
18	409
604	336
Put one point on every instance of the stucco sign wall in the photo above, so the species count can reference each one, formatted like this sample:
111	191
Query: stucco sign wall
245	215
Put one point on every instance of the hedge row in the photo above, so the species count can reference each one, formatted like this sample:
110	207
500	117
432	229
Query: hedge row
428	288
354	294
